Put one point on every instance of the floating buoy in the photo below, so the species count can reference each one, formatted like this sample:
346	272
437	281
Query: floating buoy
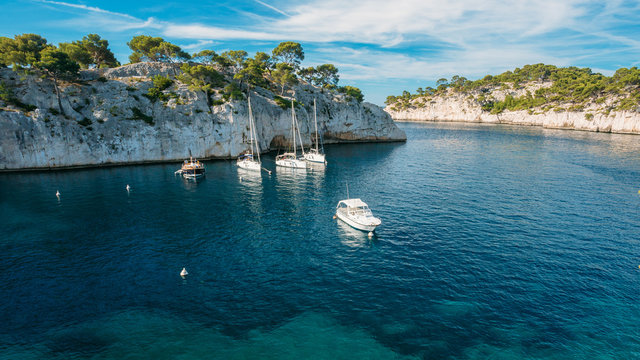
128	187
184	272
370	234
334	216
57	194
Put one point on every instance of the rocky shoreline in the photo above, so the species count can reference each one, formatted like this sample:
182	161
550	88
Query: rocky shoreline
456	107
107	121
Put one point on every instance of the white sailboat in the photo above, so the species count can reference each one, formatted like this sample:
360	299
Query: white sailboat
251	159
315	155
291	159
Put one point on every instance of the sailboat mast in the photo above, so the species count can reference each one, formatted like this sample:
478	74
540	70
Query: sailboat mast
315	121
293	128
250	126
252	134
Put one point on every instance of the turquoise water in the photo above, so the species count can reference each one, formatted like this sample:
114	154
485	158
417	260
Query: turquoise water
496	242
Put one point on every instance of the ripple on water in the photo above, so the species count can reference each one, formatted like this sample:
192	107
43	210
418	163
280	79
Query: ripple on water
496	242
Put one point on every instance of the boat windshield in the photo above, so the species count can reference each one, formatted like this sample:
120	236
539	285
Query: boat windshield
360	210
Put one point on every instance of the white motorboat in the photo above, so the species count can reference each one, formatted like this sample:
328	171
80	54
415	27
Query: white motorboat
251	159
291	159
356	213
315	155
191	169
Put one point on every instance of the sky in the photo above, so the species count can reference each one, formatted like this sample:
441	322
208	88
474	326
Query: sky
383	47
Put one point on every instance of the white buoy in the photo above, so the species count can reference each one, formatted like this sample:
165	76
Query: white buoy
184	272
128	187
370	234
58	194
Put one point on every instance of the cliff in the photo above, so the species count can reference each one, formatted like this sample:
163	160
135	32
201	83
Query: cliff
462	107
538	94
106	119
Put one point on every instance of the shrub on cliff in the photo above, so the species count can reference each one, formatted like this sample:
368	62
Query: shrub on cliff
353	93
160	83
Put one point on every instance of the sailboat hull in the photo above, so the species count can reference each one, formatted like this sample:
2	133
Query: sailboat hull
291	163
315	158
249	165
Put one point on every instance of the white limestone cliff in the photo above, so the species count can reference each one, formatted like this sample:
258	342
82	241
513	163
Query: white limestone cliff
99	125
462	107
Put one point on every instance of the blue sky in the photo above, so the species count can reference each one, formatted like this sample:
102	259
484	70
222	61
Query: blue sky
380	46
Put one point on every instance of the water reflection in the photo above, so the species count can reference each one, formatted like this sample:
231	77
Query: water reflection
352	237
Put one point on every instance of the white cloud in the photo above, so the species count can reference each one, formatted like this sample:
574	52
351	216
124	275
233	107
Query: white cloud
88	8
271	7
198	31
417	39
198	45
358	65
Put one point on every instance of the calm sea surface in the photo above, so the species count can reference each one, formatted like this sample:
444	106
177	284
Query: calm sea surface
496	242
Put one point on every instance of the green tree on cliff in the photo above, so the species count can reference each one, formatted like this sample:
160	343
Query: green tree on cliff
201	78
288	52
57	65
147	48
327	75
283	75
23	51
236	58
253	70
207	57
98	49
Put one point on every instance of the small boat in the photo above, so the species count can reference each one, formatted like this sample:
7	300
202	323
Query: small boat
356	213
315	155
251	159
191	169
291	159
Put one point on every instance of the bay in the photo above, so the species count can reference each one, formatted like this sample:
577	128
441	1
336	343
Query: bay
496	242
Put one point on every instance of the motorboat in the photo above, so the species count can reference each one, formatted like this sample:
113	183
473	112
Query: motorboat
314	155
251	159
291	159
356	213
191	169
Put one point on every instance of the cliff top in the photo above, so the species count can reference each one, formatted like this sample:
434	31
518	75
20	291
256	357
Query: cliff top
536	87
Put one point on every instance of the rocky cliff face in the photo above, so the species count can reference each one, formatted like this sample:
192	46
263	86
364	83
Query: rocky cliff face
462	107
107	120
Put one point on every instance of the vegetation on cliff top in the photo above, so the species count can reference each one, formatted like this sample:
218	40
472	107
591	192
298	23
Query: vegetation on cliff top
222	76
537	87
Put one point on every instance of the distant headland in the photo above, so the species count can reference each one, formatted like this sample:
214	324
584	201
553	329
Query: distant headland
542	95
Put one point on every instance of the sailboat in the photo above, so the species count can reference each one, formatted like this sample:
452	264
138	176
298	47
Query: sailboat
290	159
251	159
314	155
